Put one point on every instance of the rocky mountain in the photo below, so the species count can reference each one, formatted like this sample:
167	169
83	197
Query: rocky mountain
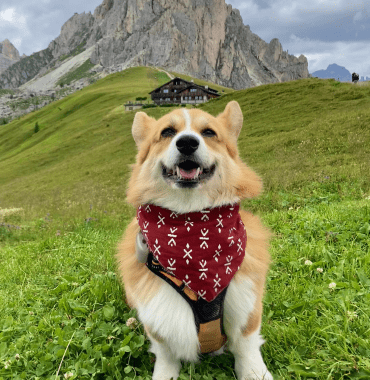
334	71
202	38
8	55
25	69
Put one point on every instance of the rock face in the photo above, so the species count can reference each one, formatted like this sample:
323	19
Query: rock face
74	34
8	55
25	69
202	38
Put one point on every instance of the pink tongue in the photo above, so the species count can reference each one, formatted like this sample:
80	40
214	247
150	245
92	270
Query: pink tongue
188	174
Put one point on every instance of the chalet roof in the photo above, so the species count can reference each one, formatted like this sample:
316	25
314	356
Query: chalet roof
209	90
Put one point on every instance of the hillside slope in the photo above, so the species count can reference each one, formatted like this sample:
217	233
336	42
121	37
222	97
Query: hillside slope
294	133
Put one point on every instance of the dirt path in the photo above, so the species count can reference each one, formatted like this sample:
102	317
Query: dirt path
166	72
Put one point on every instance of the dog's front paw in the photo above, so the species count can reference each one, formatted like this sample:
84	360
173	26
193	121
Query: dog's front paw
252	376
255	373
254	369
166	371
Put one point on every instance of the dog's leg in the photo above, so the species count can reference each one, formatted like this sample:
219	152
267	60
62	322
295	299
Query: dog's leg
242	322
249	364
166	365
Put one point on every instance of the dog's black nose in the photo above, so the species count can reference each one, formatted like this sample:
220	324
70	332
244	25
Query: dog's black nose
187	145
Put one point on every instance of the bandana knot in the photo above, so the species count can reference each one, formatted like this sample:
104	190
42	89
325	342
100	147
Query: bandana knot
202	249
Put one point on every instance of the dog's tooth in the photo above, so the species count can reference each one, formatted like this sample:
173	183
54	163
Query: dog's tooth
178	172
197	174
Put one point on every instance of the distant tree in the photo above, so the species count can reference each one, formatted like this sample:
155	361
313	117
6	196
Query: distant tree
37	128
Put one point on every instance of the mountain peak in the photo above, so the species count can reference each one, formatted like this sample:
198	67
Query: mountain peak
8	55
205	39
334	71
9	50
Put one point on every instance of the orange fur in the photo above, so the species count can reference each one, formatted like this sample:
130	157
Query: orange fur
140	282
255	264
236	180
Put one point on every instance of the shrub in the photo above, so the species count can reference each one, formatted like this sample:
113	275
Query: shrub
168	105
37	128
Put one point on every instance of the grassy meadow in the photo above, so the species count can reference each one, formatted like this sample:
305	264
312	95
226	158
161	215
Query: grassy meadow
63	210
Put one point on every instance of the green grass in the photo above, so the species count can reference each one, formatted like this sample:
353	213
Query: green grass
61	303
76	74
23	104
6	92
159	76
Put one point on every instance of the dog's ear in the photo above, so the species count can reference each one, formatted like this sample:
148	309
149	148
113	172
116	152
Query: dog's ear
233	118
141	127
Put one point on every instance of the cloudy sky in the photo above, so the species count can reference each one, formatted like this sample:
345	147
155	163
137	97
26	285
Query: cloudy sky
325	31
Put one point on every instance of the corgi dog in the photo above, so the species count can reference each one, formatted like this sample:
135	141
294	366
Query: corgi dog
189	237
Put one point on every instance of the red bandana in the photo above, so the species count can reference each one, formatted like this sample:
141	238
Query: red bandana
203	249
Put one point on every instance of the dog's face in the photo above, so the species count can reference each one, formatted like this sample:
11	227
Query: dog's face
188	160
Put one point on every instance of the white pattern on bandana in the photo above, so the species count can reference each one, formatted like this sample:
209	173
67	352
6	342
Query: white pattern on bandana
196	246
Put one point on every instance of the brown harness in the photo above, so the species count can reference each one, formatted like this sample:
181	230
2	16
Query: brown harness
208	316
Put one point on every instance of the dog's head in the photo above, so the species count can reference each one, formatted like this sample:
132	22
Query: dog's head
188	160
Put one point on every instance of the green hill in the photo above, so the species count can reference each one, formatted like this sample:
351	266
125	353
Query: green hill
294	133
63	210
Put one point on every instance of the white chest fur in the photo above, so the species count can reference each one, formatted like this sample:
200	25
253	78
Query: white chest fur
169	316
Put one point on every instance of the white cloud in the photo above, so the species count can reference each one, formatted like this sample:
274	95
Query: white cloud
38	22
7	15
358	16
279	18
354	56
17	42
325	31
10	17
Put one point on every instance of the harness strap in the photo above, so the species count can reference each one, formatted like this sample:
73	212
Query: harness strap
208	316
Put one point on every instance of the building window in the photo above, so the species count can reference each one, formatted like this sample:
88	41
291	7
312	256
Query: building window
186	98
174	90
165	90
193	90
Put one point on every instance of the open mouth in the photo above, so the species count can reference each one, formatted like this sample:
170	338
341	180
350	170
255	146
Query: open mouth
188	173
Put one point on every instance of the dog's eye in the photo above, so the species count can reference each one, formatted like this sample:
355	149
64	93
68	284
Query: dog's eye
168	132
208	132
